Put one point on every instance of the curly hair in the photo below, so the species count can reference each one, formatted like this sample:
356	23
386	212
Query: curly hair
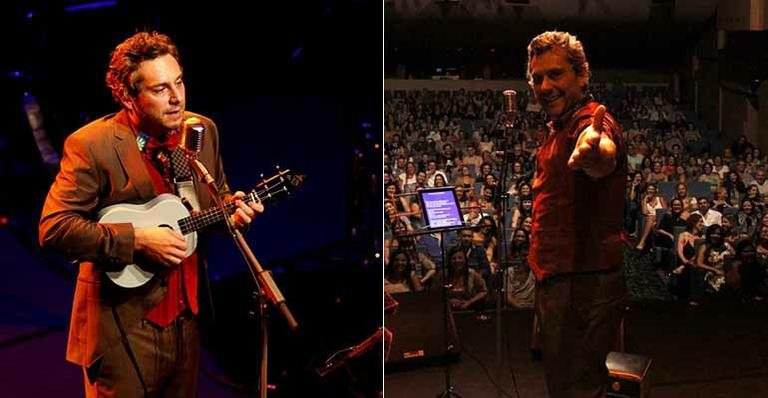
692	220
391	272
573	47
128	55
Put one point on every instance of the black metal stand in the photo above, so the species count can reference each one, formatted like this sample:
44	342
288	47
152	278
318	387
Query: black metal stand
502	197
265	285
449	390
264	345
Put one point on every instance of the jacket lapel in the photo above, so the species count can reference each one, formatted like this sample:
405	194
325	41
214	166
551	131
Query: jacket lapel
130	159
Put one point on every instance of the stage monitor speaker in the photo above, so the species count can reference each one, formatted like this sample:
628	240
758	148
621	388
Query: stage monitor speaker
628	375
418	329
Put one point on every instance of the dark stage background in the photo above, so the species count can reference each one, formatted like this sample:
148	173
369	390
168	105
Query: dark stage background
289	84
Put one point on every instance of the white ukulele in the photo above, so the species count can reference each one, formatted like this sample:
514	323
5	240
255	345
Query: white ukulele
167	210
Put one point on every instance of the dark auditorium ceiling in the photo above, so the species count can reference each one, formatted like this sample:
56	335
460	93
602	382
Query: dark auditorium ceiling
621	33
495	22
534	10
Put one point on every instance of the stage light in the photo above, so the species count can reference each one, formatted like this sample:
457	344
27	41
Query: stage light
89	6
297	52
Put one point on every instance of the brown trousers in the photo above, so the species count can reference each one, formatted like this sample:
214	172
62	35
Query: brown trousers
580	317
167	358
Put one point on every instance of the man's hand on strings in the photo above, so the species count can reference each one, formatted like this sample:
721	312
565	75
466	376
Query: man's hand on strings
245	213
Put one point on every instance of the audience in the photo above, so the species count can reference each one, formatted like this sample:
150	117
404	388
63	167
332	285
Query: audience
438	138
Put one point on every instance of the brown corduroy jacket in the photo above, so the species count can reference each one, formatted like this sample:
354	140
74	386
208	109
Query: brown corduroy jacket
102	166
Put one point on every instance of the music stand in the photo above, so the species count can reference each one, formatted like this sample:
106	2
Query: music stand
442	213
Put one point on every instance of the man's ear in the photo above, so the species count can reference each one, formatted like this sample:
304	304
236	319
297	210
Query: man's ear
533	96
127	100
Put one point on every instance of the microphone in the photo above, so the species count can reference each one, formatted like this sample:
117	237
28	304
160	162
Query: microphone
191	143
510	107
192	136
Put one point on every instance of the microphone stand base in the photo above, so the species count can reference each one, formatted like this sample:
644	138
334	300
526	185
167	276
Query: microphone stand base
448	394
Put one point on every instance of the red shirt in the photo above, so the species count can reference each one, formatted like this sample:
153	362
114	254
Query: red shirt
182	279
576	221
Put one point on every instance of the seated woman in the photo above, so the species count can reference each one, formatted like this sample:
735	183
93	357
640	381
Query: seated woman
734	187
753	194
690	203
396	225
439	181
521	282
399	276
486	200
486	237
524	209
527	224
485	143
709	271
632	197
423	266
651	202
709	176
747	219
408	178
392	195
415	216
519	245
524	191
516	176
686	255
665	233
719	202
730	234
468	289
681	175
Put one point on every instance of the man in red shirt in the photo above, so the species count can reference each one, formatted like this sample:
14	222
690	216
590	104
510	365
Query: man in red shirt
141	341
576	251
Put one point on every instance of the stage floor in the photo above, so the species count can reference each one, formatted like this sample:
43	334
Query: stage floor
718	349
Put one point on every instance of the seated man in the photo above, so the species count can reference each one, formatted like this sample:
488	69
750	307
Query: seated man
711	217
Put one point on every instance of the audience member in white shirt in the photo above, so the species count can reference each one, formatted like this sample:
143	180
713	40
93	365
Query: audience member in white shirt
710	216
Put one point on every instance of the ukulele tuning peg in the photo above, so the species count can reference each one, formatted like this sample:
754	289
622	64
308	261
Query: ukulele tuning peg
261	175
277	167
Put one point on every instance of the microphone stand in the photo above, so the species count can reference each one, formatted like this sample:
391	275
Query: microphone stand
502	197
266	289
449	391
